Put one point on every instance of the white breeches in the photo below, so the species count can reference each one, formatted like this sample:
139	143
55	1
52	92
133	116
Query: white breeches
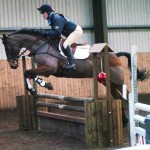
73	37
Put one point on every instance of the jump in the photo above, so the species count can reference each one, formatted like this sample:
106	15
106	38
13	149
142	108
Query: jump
49	61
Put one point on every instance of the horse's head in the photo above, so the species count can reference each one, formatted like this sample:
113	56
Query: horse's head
12	49
28	38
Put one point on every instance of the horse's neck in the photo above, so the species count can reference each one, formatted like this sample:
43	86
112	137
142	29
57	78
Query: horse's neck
24	39
37	44
27	40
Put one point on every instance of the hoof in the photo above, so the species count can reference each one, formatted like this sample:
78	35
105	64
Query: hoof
33	92
48	86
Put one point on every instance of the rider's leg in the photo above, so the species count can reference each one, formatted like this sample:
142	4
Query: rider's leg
72	38
69	54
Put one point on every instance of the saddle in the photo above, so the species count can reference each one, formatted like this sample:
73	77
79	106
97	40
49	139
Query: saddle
79	50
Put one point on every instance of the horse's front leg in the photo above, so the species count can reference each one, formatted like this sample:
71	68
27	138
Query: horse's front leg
32	74
29	86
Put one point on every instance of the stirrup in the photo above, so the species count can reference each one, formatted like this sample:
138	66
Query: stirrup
69	66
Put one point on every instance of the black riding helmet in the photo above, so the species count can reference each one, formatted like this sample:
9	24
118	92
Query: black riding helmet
45	8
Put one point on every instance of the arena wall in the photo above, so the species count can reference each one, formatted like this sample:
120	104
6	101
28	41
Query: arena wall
12	83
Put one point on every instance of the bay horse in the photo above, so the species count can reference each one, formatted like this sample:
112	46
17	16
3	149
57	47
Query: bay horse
49	61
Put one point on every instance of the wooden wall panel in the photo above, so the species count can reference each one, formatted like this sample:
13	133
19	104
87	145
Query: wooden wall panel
12	82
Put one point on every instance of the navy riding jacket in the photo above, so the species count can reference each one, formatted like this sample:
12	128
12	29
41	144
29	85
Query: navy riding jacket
60	25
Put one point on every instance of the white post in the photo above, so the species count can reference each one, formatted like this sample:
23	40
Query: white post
134	73
133	96
138	135
124	91
131	120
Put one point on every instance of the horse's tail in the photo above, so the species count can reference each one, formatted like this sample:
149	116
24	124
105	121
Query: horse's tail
141	74
126	54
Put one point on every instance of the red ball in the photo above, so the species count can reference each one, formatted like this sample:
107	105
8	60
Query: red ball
101	77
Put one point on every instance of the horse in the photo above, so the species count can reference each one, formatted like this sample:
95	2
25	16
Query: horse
49	61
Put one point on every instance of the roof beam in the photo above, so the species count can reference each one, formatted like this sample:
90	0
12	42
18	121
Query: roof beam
100	21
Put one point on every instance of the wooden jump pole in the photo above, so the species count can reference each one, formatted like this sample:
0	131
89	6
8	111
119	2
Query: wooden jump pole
65	98
106	66
24	69
60	106
26	107
101	50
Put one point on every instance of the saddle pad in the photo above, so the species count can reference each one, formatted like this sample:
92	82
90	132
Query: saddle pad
81	52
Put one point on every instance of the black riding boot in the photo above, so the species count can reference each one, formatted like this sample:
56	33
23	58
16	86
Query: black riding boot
69	54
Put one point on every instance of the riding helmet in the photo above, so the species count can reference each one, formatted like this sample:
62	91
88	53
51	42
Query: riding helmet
45	8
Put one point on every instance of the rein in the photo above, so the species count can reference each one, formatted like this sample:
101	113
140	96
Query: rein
49	40
29	47
34	52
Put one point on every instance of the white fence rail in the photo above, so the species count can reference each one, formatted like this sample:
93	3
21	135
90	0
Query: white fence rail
138	135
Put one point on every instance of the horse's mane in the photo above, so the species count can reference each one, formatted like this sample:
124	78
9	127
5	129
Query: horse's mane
37	33
32	31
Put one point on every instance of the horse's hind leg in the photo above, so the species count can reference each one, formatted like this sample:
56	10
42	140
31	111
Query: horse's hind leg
119	88
115	91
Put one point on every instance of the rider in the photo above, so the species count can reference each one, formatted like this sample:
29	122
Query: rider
60	26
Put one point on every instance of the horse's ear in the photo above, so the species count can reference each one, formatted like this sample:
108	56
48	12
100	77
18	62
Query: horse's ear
4	36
